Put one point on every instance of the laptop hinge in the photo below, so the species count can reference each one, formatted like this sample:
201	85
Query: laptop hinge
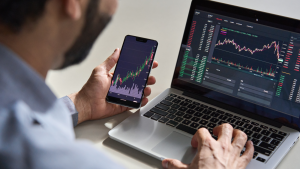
233	109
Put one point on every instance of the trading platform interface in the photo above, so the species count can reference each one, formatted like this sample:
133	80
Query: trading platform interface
252	62
133	68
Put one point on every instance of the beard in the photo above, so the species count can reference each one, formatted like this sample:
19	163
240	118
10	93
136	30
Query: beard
82	46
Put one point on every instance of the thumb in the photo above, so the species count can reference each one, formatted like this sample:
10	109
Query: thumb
112	60
173	164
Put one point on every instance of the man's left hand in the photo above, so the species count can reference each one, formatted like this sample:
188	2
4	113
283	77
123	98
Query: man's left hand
91	102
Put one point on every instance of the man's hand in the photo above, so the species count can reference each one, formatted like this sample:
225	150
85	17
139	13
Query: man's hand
90	101
220	154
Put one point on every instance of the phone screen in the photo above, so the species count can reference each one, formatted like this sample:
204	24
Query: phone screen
132	71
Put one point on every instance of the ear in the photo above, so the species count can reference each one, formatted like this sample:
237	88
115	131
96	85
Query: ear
73	9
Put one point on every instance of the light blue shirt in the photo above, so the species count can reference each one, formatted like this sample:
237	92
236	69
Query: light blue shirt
36	129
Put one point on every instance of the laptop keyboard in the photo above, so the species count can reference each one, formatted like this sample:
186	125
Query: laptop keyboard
189	116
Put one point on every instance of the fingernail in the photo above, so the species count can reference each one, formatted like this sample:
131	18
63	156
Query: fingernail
251	142
116	50
165	164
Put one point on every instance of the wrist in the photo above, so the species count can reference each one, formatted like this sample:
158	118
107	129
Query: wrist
82	106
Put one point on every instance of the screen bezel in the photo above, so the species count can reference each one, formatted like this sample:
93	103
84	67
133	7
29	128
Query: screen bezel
119	101
238	13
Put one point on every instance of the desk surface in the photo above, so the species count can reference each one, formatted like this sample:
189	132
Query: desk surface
163	20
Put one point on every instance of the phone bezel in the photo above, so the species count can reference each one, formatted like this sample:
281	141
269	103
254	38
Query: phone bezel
119	101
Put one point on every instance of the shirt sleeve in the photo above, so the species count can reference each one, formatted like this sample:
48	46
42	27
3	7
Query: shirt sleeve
49	144
70	105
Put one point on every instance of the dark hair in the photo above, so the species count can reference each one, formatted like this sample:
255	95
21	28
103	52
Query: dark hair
14	13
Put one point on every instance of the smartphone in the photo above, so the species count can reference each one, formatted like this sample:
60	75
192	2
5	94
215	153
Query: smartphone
132	72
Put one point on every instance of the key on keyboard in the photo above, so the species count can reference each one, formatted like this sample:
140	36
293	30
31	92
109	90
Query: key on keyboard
179	113
163	120
267	146
195	119
276	136
175	106
167	103
186	122
194	125
183	109
156	117
173	95
199	109
163	107
169	98
172	111
172	123
186	129
187	116
178	119
176	101
170	116
191	106
197	104
198	114
262	151
275	142
158	111
183	103
148	114
190	111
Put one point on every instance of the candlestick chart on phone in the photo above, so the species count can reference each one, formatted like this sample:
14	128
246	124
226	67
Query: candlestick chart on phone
132	71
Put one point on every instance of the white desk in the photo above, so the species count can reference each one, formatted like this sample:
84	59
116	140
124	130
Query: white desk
164	21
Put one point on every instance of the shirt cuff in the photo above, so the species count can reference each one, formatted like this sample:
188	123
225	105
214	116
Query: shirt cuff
70	105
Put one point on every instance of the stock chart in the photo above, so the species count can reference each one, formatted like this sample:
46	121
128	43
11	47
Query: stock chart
234	58
246	51
132	70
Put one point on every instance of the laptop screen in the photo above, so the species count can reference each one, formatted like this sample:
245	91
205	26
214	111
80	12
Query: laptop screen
240	62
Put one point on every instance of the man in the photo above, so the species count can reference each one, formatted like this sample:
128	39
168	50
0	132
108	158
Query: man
36	128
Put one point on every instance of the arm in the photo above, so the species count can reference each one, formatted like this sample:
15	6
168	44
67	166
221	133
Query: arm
49	144
70	105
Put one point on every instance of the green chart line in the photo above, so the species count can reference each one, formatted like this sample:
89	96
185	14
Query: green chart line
133	75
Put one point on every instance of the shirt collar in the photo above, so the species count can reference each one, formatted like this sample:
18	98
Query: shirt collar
18	81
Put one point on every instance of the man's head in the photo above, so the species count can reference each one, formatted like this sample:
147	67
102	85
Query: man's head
68	26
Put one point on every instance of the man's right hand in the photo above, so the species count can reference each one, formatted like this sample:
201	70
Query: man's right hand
220	154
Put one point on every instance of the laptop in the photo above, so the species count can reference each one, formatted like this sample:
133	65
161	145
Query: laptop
236	66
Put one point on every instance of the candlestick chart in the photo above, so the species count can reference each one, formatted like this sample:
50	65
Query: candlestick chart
132	71
245	51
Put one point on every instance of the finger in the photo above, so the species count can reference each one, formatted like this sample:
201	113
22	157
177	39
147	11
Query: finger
151	80
248	154
173	164
202	140
147	91
239	141
155	64
112	60
144	101
224	133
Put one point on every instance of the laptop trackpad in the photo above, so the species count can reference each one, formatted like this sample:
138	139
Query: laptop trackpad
176	146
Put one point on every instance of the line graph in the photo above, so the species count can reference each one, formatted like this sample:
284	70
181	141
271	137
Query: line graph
240	49
247	52
249	45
